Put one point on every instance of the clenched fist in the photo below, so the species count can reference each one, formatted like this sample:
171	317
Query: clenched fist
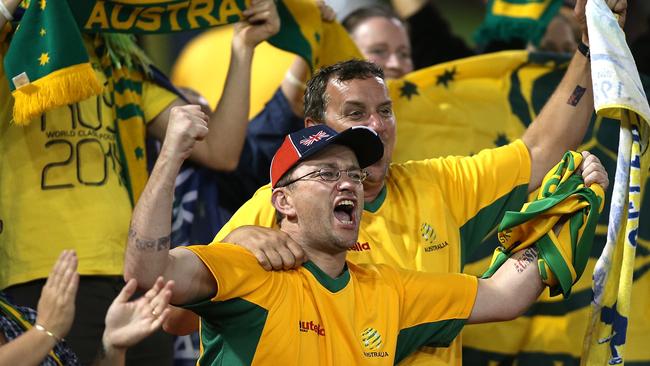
187	125
618	7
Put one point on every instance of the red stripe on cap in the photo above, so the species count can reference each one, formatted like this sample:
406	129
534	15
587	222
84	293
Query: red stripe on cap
285	158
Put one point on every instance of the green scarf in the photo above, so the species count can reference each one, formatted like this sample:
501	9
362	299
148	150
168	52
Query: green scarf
563	199
126	68
506	20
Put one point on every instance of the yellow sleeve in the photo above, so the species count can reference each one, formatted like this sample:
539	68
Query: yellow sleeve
436	297
434	308
473	183
155	99
256	211
235	269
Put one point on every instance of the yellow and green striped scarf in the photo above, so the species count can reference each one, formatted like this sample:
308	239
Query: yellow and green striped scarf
506	20
562	199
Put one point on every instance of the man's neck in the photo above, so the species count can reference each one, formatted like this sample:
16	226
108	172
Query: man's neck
329	261
331	264
371	190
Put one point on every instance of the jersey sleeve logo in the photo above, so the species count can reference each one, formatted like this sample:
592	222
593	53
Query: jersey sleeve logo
427	232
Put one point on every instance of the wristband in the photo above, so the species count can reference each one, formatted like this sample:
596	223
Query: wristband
584	49
5	12
42	328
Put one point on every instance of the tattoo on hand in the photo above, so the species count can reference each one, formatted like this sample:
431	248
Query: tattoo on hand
528	256
150	244
577	94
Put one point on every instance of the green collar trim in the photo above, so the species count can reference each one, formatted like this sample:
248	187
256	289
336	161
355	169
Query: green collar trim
332	284
377	202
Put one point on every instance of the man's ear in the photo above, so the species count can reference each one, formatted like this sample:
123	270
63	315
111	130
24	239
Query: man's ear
283	202
309	122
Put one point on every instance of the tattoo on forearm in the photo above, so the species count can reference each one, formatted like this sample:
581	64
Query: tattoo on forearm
577	94
528	256
149	244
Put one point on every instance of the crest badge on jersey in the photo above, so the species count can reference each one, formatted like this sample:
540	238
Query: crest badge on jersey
428	234
372	343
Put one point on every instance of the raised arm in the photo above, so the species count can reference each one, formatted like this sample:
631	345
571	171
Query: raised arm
562	123
147	253
222	147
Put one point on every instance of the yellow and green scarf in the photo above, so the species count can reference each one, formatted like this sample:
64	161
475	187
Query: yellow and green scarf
506	20
562	199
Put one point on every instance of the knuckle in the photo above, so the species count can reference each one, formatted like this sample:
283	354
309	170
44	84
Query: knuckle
260	256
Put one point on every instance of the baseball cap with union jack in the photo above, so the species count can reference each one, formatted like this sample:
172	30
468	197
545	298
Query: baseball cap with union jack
298	146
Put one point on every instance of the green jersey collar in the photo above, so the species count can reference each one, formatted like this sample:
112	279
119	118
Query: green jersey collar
375	204
332	284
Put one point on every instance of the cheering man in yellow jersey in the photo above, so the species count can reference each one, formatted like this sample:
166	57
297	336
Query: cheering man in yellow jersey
424	215
328	311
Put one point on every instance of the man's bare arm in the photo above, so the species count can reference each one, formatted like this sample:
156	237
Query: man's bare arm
562	123
222	147
147	253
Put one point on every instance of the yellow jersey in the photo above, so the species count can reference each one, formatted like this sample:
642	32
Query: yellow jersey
370	314
60	184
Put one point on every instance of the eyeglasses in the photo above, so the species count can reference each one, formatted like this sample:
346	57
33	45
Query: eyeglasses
332	175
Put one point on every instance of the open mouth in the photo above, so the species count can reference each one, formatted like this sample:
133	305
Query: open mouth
344	211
